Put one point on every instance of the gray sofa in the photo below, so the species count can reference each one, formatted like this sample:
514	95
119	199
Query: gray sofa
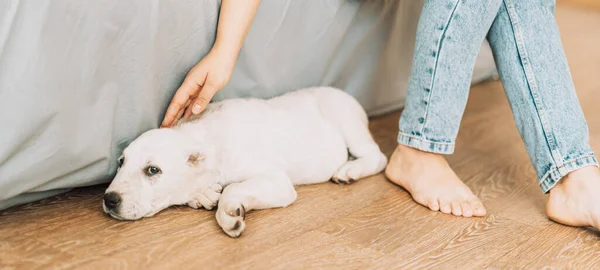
79	80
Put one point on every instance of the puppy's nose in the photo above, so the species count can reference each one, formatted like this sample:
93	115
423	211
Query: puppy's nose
112	200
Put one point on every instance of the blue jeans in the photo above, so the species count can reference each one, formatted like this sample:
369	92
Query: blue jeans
529	55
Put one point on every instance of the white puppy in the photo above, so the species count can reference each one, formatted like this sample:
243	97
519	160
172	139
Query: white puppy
257	149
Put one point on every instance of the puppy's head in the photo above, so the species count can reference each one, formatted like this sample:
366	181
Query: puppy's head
157	170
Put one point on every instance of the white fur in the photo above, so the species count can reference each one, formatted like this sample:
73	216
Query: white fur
257	149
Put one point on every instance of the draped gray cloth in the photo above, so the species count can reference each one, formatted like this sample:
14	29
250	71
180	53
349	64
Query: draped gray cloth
79	80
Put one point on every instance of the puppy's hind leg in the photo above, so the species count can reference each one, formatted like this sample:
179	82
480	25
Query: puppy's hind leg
269	190
345	113
368	157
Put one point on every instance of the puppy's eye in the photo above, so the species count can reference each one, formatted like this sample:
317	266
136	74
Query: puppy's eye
121	161
152	170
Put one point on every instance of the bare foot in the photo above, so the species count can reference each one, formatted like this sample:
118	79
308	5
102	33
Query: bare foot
432	183
574	201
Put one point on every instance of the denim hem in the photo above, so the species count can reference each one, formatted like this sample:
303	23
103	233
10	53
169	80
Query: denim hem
555	173
423	144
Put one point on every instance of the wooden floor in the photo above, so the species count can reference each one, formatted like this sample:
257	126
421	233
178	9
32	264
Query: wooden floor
595	4
370	224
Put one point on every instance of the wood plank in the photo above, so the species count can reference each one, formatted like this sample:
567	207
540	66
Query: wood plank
413	236
558	247
20	252
319	251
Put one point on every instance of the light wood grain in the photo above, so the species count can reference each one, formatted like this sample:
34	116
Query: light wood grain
555	246
594	4
370	224
318	251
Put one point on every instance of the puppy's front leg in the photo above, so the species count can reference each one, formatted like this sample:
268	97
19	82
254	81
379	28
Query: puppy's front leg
271	190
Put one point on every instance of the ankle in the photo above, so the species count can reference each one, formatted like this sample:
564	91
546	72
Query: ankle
407	150
410	154
579	178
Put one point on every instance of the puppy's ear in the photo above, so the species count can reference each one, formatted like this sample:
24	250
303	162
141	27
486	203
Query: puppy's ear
195	158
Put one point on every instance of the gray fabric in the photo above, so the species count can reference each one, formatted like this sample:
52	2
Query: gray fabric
80	79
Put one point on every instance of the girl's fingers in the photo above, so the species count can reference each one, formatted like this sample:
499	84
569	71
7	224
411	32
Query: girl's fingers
178	117
186	91
188	110
206	94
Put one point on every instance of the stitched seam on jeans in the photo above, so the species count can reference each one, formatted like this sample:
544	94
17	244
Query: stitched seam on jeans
423	140
533	87
550	172
435	66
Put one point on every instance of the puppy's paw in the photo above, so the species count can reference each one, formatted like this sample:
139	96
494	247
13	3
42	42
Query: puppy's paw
230	217
207	197
348	173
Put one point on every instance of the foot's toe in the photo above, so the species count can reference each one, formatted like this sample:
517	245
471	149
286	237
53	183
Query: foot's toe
433	204
456	208
466	209
445	207
478	209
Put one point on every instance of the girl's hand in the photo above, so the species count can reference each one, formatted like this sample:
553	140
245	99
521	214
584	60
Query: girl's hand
214	70
203	81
